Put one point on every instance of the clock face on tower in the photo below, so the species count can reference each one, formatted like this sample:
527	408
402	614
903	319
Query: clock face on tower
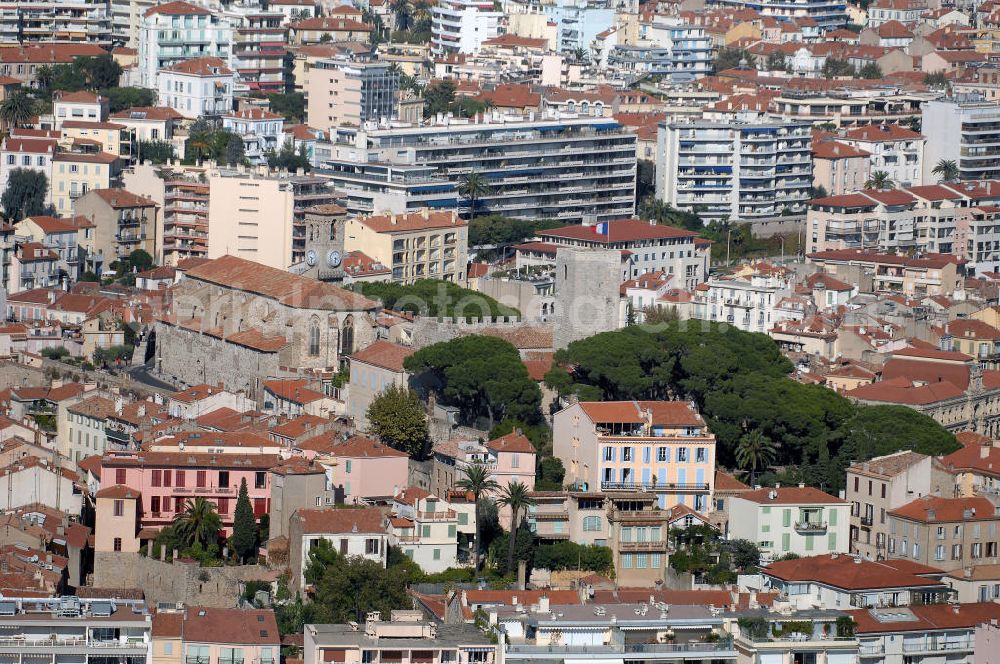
333	258
311	257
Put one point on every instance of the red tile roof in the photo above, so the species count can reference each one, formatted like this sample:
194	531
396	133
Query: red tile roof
791	495
249	627
847	573
925	618
667	413
384	354
176	8
201	67
345	520
515	441
413	221
930	509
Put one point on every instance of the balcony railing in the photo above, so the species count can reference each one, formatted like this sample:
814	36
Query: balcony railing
656	487
642	546
449	515
866	521
723	646
811	527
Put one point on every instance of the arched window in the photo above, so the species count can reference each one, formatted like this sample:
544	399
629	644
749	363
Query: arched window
347	336
314	337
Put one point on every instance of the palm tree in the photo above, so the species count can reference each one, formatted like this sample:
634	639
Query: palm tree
754	452
946	170
472	187
199	522
515	496
403	14
17	109
478	481
879	180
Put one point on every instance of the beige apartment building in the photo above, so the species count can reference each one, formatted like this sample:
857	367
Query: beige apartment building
417	245
250	217
76	173
878	486
123	222
946	533
346	92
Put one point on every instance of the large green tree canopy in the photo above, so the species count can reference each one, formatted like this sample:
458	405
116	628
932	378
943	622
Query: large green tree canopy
740	383
482	375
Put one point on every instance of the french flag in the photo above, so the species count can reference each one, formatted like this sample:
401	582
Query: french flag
602	228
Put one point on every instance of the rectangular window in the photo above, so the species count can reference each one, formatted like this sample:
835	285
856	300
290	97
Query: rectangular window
426	531
118	544
200	478
956	551
223	506
167	477
260	479
154	504
119	509
157	478
682	454
437	554
119	476
701	455
180	478
626	454
224	478
463	519
371	546
661	454
609	454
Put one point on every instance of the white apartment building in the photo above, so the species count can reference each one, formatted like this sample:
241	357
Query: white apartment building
735	170
897	150
425	528
932	634
749	304
82	106
647	247
677	51
198	87
966	129
351	532
48	21
176	31
31	153
262	132
781	520
461	26
570	169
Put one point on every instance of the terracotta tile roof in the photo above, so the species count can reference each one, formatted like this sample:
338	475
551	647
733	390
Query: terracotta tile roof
144	459
837	150
357	446
168	624
148	113
511	95
289	289
538	363
122	198
82	124
928	509
931	617
91	464
293	389
889	465
515	441
510	40
49	53
970	328
298	426
80	97
119	492
253	114
384	354
345	520
791	495
522	337
176	8
201	67
247	627
97	407
29	145
904	394
413	221
666	413
726	482
30	252
979	457
827	282
847	573
257	340
85	158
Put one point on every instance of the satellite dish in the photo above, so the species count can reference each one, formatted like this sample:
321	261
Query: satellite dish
333	258
311	257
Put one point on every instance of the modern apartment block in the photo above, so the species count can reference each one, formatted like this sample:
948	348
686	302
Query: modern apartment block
405	637
568	169
663	447
967	131
728	170
350	91
880	485
670	48
461	26
56	21
260	49
176	31
182	196
84	630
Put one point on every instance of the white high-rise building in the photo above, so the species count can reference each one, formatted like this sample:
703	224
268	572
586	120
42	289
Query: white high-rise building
964	129
735	170
461	26
178	31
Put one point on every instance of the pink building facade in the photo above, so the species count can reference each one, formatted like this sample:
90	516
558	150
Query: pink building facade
359	467
168	480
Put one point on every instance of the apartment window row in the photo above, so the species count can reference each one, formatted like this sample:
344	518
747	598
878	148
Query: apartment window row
178	478
640	561
641	534
662	454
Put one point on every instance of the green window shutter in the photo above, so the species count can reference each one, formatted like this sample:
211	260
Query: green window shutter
833	517
451	531
785	542
786	518
463	519
427	531
833	542
810	542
